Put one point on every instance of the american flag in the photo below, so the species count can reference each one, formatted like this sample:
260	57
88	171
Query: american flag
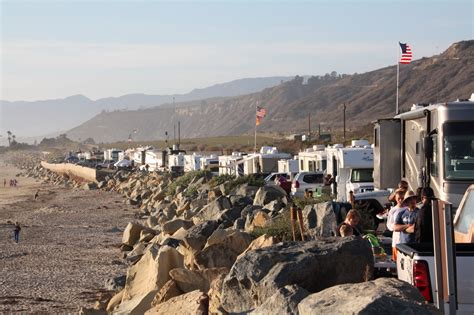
261	112
407	54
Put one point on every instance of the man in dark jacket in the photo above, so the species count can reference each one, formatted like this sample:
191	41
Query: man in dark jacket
16	232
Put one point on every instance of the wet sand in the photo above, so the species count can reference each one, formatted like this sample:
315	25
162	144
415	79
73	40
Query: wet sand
68	245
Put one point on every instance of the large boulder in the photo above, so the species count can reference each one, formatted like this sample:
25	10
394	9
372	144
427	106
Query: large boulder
213	210
131	234
190	280
314	266
222	250
260	242
284	301
168	291
194	240
320	219
147	276
172	226
195	302
267	194
381	296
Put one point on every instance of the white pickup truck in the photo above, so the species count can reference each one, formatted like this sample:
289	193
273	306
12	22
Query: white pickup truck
415	265
416	262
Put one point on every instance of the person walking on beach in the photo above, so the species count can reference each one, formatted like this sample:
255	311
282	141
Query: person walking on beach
37	194
16	232
4	182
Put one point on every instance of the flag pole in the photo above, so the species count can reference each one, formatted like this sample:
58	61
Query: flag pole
398	78
255	143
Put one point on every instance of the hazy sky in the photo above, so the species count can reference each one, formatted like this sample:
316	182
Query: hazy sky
53	49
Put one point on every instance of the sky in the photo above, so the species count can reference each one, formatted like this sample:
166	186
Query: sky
54	49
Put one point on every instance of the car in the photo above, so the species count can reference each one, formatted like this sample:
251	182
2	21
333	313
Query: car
306	180
272	176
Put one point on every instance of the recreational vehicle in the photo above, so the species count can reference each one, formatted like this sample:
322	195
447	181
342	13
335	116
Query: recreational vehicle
352	168
210	163
428	146
288	166
192	162
313	159
230	164
264	162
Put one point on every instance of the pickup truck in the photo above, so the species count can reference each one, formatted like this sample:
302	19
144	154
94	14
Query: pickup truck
415	265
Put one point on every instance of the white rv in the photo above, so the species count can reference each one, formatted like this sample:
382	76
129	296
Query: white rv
210	163
428	146
230	164
192	162
264	162
352	168
112	154
288	166
313	159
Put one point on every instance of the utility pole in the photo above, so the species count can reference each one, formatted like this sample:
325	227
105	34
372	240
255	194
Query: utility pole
174	122
309	127
344	119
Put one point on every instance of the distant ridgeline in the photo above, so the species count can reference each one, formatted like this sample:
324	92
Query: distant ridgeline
368	96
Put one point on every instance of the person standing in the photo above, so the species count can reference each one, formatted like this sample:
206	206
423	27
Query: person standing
16	232
4	182
37	194
399	195
405	222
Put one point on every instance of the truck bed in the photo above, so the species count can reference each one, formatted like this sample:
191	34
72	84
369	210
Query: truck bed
426	249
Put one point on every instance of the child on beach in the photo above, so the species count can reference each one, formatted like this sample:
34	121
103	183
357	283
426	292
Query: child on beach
16	232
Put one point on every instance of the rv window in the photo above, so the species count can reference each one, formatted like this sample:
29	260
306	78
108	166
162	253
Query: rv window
459	151
364	175
313	178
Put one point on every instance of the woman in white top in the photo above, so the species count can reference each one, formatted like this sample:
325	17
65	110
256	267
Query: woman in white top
392	215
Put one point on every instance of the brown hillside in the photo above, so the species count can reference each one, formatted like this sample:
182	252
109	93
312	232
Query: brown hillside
368	96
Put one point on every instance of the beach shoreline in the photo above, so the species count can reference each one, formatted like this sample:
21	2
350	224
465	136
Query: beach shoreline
68	244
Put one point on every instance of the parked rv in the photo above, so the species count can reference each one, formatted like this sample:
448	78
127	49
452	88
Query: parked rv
352	169
428	146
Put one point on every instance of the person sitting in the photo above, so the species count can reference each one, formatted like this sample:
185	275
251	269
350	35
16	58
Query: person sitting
346	230
353	218
405	221
424	219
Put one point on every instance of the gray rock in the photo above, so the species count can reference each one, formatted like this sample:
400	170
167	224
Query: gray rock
320	219
197	235
245	190
284	301
90	186
381	296
314	266
172	226
239	224
115	283
222	249
102	184
267	194
240	201
213	210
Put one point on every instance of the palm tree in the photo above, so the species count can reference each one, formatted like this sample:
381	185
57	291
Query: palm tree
13	140
9	137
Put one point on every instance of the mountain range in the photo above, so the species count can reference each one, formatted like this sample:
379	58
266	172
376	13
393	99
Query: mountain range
367	96
39	118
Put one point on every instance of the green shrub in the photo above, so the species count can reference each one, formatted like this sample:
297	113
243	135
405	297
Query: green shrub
303	202
232	182
279	227
185	180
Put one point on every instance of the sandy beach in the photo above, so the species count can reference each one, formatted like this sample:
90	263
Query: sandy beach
68	245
